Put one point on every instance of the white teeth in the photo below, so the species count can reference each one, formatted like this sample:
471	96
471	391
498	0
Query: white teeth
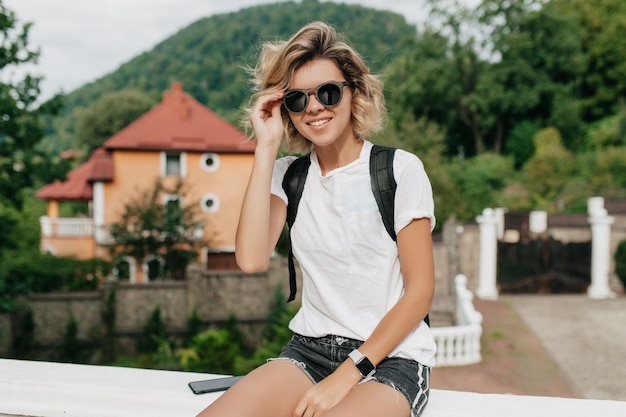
319	122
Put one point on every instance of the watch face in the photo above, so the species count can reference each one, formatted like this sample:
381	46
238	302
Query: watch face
365	367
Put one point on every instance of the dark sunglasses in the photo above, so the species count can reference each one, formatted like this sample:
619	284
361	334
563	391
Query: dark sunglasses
329	94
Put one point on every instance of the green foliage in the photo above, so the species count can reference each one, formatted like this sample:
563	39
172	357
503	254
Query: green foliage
426	139
148	228
110	114
193	326
41	273
153	335
23	324
8	224
520	144
478	180
72	349
607	172
549	171
109	347
275	336
224	350
214	351
21	127
525	66
600	26
608	132
620	262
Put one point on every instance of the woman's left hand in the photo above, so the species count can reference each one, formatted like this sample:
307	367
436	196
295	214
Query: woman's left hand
328	393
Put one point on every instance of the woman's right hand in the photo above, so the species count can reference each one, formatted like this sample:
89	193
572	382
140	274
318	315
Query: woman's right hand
266	119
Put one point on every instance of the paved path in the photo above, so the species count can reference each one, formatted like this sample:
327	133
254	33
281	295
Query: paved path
566	346
585	337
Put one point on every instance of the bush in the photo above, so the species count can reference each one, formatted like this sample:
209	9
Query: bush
43	273
477	182
153	334
23	328
73	350
212	351
620	262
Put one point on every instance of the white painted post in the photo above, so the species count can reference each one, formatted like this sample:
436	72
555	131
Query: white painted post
100	233
499	213
600	248
538	221
488	224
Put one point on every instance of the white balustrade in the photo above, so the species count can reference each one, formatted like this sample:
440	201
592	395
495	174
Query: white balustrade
460	344
46	226
66	227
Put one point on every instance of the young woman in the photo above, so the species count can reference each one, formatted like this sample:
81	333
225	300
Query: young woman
360	345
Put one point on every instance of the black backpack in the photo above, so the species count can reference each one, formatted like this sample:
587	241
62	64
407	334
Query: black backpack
383	187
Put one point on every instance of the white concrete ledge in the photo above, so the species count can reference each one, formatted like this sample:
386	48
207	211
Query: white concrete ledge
45	389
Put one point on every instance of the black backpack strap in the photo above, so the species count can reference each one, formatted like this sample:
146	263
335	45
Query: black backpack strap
384	184
384	188
293	184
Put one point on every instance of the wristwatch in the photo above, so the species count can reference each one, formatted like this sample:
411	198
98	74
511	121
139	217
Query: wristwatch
362	363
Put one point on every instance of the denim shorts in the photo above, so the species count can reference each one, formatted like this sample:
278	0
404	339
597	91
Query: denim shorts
319	357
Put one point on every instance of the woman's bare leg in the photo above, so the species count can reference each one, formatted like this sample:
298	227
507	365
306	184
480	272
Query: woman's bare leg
273	389
371	399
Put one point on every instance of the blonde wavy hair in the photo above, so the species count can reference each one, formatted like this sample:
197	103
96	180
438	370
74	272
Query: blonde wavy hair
279	60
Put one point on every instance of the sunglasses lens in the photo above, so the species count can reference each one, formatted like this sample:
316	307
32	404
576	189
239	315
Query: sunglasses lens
329	94
295	101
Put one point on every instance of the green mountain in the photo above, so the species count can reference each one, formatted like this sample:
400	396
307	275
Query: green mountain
209	56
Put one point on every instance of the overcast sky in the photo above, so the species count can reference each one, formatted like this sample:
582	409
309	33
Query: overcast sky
82	40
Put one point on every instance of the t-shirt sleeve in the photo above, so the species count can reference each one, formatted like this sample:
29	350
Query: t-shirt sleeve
280	167
414	195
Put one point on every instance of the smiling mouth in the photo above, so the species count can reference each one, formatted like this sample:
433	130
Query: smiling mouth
320	122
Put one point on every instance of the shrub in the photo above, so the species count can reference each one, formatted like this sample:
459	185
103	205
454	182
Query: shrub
211	351
23	328
153	333
41	273
73	350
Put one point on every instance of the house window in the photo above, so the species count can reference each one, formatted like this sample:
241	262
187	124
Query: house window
219	260
210	162
153	268
210	203
124	269
173	164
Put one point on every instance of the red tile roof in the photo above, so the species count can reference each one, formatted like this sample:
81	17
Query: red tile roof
77	186
181	123
178	123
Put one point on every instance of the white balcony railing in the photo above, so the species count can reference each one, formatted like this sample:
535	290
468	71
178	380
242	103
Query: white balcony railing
460	344
45	389
66	227
84	227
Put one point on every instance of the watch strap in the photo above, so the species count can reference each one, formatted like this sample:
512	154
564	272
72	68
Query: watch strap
363	364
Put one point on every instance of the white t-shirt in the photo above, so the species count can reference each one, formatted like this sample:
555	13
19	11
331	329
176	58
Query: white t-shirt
350	267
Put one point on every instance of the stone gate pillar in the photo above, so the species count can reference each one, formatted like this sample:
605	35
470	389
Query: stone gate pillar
600	223
488	225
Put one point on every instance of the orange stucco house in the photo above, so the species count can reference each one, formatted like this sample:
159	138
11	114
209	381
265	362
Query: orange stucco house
177	139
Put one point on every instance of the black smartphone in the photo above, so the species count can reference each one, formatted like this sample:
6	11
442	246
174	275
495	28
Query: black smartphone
213	385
